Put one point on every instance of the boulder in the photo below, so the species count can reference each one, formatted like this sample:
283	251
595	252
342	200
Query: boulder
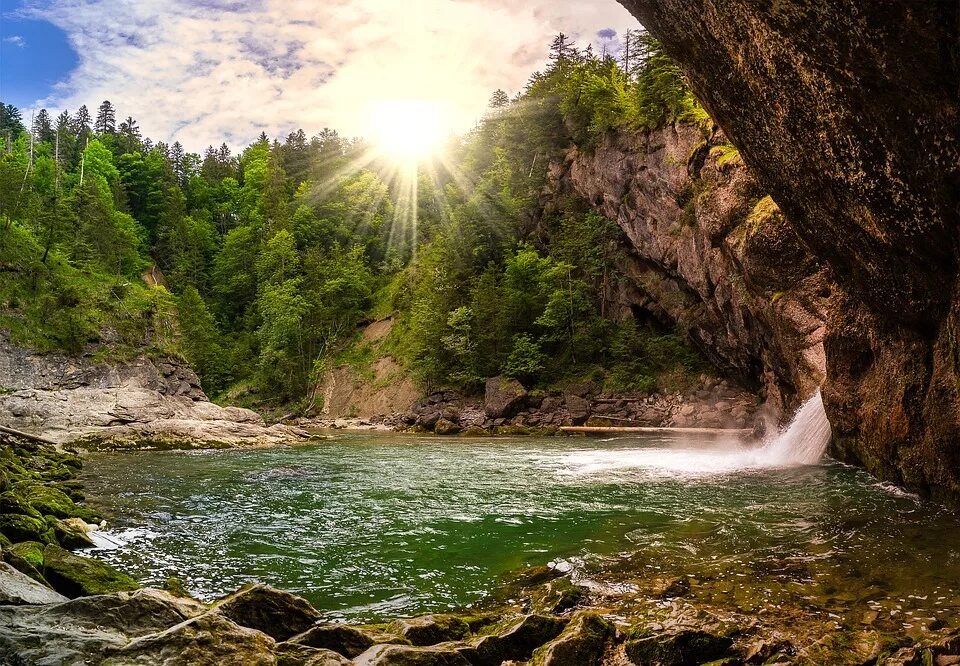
578	407
278	614
432	629
18	588
340	638
26	557
558	596
18	527
13	502
446	427
582	643
52	501
681	648
517	641
76	576
292	654
407	655
503	397
72	533
209	639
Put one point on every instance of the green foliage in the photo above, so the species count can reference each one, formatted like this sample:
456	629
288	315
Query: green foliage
274	256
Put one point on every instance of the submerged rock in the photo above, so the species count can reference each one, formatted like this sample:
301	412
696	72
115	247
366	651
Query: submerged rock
278	614
292	654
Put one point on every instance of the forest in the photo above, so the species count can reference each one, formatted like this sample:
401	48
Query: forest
260	267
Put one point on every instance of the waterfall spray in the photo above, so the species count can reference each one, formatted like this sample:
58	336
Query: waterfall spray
804	440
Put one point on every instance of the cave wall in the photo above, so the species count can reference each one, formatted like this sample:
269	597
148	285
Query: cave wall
848	113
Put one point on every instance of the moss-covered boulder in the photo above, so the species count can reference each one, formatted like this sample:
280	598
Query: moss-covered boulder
513	640
408	655
18	527
291	654
30	552
348	641
52	501
431	629
76	576
14	502
582	643
679	648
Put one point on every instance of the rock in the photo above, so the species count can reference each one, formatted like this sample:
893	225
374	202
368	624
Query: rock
27	558
503	397
76	576
406	655
52	502
432	629
578	407
18	588
340	638
681	648
582	643
445	427
12	502
278	614
292	654
72	534
83	630
558	596
667	588
18	527
209	639
517	641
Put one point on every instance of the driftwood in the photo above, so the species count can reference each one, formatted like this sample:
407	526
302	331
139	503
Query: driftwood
26	435
691	431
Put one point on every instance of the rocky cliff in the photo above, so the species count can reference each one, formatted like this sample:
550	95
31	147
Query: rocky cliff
141	402
848	114
711	253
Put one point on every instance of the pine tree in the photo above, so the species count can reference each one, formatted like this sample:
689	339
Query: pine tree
106	119
562	51
81	123
130	137
11	123
499	99
43	127
177	161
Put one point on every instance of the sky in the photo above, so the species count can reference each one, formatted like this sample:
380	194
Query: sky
206	71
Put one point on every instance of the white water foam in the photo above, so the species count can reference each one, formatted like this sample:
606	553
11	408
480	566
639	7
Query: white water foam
803	442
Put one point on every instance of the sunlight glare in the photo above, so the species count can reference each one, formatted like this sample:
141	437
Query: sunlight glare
409	130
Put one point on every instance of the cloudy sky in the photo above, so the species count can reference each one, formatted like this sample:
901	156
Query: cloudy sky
202	71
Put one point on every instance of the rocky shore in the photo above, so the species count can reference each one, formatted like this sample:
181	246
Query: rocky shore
508	408
58	606
139	403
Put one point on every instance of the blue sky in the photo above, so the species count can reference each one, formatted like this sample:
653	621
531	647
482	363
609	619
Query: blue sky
206	71
34	56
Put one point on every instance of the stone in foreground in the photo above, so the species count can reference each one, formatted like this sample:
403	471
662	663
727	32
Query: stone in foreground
278	614
582	643
407	655
18	588
517	642
432	629
76	576
683	648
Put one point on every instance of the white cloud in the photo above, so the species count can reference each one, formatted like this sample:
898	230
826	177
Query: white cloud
16	40
202	71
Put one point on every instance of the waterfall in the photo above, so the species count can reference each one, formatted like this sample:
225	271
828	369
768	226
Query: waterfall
804	440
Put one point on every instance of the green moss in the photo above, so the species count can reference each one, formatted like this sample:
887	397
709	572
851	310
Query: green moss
76	576
17	527
725	154
30	552
51	501
12	502
762	211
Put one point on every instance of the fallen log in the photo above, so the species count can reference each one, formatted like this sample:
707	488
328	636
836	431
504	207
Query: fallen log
26	435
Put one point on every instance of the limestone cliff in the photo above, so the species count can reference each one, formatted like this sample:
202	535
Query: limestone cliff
139	402
848	114
710	252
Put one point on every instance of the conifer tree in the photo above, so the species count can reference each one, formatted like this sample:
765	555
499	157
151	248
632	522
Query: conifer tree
11	122
106	119
499	99
81	121
43	127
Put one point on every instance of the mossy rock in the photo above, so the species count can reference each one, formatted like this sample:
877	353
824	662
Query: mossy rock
18	527
26	557
76	576
558	596
14	502
52	501
682	648
432	629
582	643
72	535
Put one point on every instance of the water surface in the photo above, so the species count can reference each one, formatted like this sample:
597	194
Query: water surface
368	526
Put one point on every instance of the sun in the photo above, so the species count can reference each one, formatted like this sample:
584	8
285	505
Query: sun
409	130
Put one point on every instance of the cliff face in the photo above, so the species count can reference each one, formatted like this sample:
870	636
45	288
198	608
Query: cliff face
848	114
710	253
136	403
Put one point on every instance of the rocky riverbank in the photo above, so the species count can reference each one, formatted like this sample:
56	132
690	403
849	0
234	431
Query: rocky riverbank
142	402
58	607
508	408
